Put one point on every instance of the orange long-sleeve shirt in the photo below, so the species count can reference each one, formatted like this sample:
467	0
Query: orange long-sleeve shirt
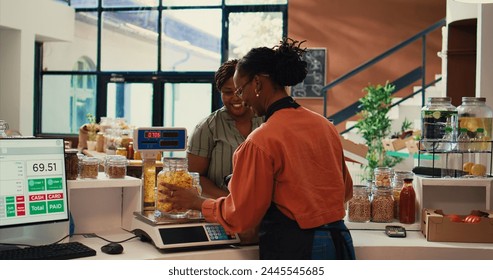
295	160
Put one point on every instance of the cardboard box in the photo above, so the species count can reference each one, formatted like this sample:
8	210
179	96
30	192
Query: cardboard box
393	144
436	227
354	152
412	146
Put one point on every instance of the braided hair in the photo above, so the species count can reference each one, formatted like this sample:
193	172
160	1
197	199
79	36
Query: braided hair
283	63
225	72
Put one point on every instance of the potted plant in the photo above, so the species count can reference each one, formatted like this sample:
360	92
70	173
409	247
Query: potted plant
374	125
92	130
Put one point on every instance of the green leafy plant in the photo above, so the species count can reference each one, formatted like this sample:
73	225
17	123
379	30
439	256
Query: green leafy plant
405	131
374	125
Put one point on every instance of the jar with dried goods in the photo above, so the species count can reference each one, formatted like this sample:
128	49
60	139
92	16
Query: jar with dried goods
100	142
382	206
359	207
175	171
117	167
90	168
121	151
71	164
149	182
383	177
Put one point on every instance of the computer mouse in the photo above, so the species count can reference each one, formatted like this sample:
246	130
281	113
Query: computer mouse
112	248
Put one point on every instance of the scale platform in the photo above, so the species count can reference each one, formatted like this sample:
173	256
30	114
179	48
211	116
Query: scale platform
183	233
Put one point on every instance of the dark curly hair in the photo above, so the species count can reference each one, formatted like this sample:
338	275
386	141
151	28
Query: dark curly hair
283	63
225	72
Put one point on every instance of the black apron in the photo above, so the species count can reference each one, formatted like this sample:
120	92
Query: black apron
280	238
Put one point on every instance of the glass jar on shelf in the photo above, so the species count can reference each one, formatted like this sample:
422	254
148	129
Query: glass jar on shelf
359	206
117	167
90	168
383	177
382	205
100	142
437	114
473	114
71	164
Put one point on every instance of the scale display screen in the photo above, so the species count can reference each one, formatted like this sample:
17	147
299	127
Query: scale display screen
160	139
180	235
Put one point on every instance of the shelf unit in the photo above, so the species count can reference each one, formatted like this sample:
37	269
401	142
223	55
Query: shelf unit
454	195
451	163
103	204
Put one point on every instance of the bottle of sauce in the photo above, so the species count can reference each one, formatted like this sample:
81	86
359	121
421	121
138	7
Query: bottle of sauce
130	150
407	203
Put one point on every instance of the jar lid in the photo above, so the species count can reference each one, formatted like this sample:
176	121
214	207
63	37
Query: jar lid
403	174
118	160
384	169
473	98
440	99
71	151
90	160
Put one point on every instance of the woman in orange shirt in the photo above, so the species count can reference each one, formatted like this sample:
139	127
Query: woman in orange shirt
289	175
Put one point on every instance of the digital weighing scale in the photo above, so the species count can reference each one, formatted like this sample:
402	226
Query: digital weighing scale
164	232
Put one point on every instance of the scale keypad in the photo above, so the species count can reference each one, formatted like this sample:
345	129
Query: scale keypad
216	232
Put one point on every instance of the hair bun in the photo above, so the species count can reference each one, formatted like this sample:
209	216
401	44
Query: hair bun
290	68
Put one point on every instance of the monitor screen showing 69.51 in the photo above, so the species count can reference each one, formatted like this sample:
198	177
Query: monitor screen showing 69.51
33	188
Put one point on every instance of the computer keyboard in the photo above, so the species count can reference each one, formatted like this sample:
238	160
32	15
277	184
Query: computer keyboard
59	251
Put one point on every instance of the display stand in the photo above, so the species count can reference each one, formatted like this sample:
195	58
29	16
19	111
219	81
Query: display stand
450	163
103	204
454	195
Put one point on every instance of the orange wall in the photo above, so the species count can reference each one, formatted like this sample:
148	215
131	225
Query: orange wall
355	31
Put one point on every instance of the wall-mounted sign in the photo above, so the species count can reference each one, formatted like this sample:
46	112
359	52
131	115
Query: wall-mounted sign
315	79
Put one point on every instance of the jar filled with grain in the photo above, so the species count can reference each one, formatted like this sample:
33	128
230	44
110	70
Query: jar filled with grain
359	207
121	151
383	177
100	142
382	205
117	167
71	164
397	184
90	168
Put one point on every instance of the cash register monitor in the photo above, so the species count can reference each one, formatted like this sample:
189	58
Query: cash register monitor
33	191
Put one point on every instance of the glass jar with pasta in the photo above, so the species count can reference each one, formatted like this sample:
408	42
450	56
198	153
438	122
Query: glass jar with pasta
175	171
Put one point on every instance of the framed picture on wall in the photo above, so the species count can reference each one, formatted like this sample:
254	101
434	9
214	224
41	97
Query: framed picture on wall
315	79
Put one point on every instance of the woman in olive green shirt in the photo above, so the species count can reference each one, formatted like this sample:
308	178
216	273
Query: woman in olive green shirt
215	138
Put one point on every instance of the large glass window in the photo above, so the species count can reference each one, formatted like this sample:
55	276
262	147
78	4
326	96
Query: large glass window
173	47
130	101
250	30
187	43
129	41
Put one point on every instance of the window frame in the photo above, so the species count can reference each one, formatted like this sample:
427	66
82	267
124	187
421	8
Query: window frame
159	77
